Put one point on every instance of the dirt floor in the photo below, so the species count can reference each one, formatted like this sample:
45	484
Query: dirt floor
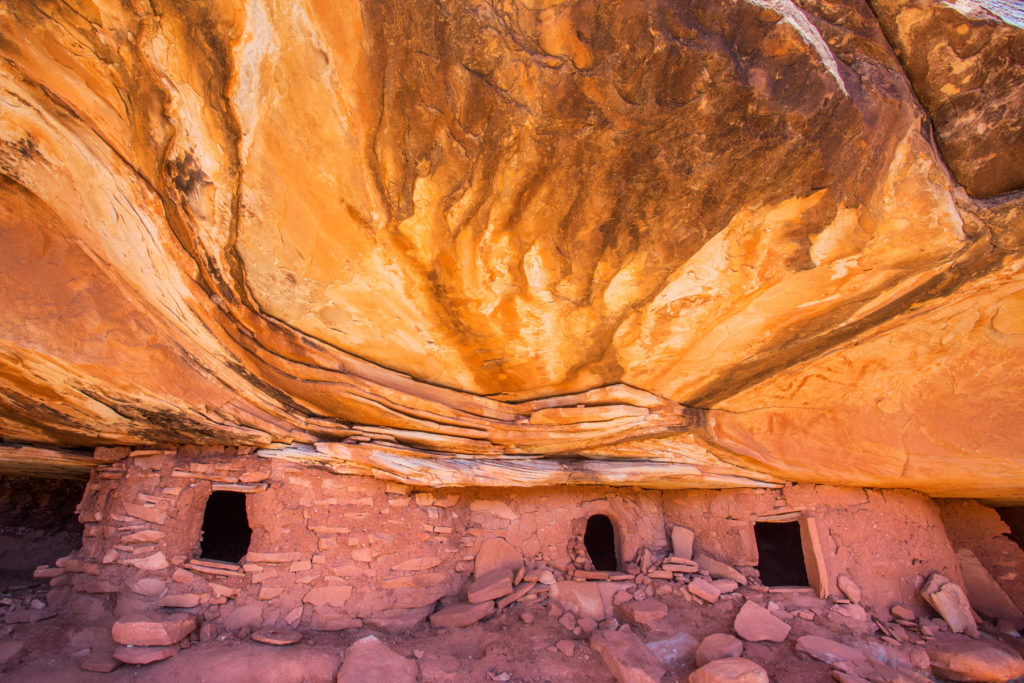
525	642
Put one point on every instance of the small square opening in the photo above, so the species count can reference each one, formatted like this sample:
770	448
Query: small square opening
780	554
226	532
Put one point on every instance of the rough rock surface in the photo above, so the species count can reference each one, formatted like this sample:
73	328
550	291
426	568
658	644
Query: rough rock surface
725	220
370	661
730	670
961	659
626	657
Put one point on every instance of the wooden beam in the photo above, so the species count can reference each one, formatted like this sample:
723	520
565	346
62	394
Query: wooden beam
434	470
44	462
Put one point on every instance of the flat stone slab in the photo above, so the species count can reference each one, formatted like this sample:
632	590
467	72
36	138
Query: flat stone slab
490	586
828	651
627	657
152	629
461	615
277	636
144	655
754	623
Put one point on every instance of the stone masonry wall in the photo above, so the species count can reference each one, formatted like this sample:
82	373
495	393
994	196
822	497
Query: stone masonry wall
331	552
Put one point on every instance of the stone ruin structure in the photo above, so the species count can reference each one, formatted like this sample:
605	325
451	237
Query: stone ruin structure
441	340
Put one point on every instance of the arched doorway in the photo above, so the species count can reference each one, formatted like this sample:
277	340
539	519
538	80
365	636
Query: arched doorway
599	540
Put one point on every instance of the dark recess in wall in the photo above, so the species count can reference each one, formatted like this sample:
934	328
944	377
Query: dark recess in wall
780	554
226	530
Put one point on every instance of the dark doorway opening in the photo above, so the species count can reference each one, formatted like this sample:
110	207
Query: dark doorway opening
1014	518
780	554
226	531
599	540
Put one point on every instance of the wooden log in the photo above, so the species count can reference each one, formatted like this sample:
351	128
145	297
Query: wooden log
418	468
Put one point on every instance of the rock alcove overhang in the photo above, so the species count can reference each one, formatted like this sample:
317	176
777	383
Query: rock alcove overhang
727	243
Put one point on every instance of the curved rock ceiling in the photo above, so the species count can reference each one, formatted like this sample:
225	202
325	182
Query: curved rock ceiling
662	243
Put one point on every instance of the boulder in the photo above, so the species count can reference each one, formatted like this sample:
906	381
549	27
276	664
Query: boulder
960	659
626	657
582	598
754	623
718	646
730	670
368	660
152	629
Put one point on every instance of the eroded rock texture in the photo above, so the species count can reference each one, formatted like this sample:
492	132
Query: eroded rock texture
716	237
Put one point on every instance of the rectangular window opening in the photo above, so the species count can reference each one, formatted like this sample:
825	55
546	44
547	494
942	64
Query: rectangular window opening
226	532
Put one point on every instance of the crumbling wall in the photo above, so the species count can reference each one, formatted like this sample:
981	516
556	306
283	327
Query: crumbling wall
979	528
332	552
37	524
886	541
327	552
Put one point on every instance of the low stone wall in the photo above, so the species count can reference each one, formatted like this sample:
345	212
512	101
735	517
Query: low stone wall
332	552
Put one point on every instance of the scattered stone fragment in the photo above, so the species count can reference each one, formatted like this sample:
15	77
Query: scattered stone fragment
152	629
730	670
368	660
277	636
490	586
566	647
960	659
849	588
718	646
461	615
100	662
626	657
828	651
901	612
643	612
754	624
682	542
725	585
129	654
720	570
950	601
704	589
849	611
180	600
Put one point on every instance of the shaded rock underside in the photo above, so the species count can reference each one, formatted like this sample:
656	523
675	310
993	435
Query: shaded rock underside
676	244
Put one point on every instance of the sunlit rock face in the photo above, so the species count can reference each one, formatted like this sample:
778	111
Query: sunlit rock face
714	234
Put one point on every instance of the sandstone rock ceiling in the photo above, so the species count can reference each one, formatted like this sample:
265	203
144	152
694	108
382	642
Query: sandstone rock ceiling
670	243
